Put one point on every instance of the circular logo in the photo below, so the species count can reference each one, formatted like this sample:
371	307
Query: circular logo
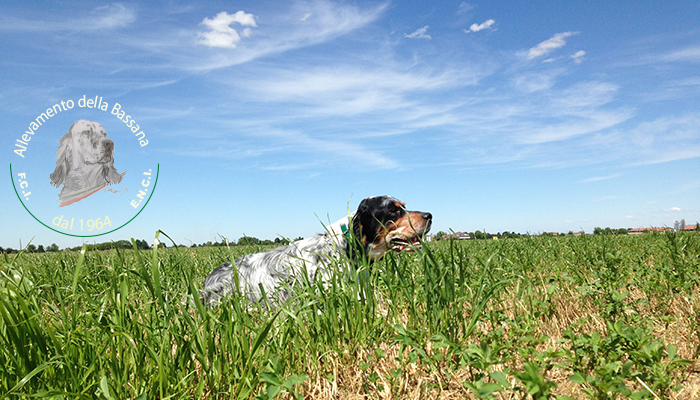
83	167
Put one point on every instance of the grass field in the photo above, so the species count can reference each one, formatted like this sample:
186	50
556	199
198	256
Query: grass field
590	317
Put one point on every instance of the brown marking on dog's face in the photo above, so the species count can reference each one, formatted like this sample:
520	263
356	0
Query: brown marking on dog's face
392	226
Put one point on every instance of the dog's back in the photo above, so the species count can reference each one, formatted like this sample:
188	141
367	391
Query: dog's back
273	271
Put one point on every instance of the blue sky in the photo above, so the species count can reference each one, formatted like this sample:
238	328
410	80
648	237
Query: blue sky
267	118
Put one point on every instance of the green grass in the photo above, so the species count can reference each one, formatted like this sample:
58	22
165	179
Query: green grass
599	317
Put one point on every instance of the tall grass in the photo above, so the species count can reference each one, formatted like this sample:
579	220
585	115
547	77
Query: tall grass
584	317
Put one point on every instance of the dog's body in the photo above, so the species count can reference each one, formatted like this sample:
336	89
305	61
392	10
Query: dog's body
84	159
380	224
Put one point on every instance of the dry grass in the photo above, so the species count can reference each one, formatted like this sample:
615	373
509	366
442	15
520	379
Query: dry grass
350	381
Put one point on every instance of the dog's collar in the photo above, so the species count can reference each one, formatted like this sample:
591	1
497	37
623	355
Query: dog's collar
346	231
339	232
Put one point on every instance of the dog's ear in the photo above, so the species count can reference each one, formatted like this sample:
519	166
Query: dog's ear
108	171
64	160
364	223
110	174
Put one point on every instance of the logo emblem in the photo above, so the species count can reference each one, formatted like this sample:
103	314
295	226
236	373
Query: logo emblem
84	171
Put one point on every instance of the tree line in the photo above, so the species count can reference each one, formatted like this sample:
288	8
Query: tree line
143	245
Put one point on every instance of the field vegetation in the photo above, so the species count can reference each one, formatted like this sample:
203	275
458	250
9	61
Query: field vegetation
583	317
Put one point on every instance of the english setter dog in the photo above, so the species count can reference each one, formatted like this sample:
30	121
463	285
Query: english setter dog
84	161
379	225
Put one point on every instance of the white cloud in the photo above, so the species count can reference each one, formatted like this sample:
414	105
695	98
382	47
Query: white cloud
306	16
221	34
419	33
479	27
549	45
578	56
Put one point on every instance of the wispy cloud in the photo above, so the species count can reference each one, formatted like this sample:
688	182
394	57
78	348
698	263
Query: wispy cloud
285	149
664	139
690	54
480	27
594	122
605	198
280	32
531	82
600	178
110	17
555	42
419	33
347	90
221	34
102	18
578	56
465	7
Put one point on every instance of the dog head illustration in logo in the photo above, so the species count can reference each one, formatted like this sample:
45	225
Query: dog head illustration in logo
84	162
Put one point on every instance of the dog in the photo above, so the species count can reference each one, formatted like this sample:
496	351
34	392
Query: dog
380	224
84	160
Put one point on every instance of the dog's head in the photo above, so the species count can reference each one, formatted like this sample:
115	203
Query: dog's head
86	143
382	223
90	139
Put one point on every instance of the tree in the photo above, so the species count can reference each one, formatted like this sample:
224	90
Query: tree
281	241
52	248
248	241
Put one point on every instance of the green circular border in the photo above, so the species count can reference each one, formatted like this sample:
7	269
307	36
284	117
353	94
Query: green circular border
84	236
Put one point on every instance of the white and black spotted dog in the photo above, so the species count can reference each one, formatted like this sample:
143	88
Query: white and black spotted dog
379	225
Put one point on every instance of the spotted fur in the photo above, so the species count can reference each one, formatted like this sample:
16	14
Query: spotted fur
380	224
